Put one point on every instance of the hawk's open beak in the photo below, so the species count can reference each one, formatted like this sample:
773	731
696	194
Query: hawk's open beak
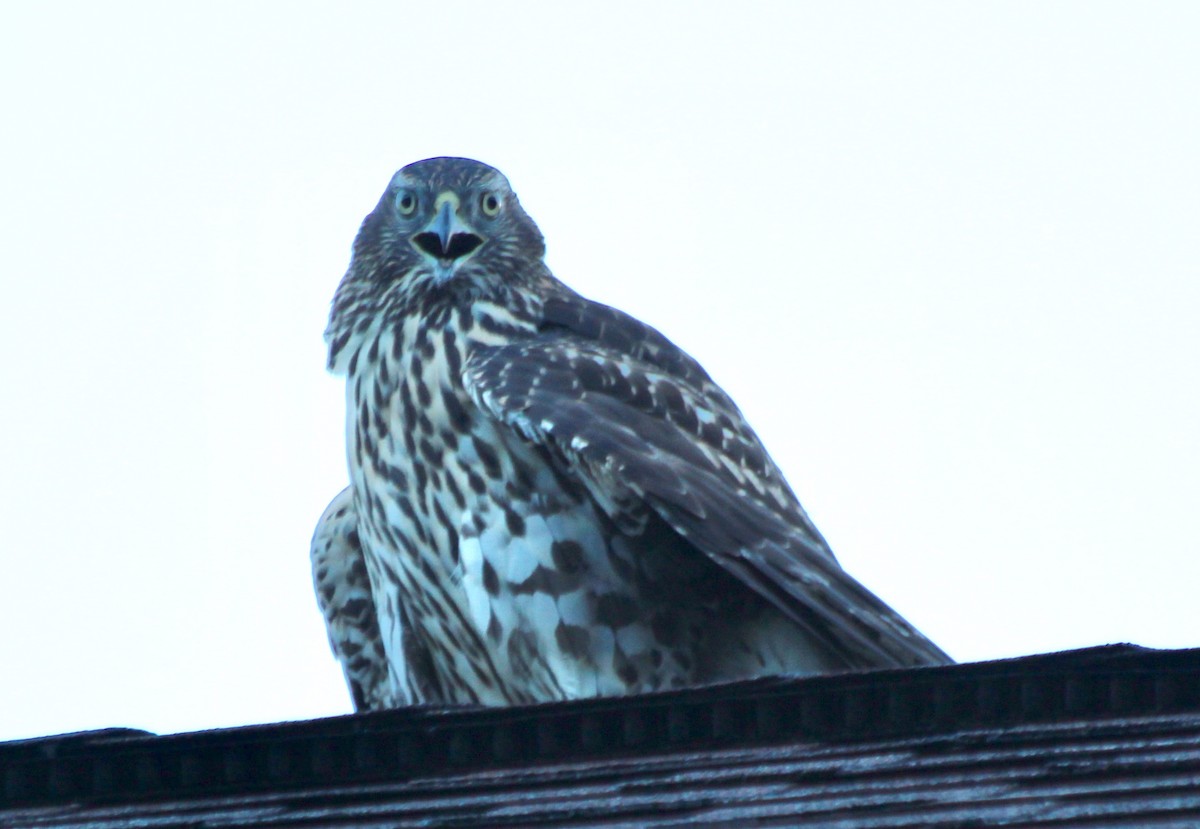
447	237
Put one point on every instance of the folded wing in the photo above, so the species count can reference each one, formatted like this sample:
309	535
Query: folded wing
637	421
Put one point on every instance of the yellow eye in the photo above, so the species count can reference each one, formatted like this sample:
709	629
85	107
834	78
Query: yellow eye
406	203
490	204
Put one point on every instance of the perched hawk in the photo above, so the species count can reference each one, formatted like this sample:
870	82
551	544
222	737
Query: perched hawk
548	499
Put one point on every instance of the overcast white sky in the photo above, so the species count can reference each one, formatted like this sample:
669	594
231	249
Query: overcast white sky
946	257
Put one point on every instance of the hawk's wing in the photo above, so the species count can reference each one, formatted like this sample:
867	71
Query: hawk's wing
345	599
642	425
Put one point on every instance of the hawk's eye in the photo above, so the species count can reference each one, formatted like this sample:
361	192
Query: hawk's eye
490	204
407	203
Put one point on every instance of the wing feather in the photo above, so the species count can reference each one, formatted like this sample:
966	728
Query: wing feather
642	425
346	600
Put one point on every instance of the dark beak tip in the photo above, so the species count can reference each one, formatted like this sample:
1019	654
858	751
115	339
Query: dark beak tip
429	242
461	244
457	246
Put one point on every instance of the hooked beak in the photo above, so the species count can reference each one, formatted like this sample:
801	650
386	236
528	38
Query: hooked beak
447	239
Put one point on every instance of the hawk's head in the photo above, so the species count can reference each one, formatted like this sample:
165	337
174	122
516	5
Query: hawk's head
445	228
457	216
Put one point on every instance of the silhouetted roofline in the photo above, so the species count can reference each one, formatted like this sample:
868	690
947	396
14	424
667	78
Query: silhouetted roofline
1122	691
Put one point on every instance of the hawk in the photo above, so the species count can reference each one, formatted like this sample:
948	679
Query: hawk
549	499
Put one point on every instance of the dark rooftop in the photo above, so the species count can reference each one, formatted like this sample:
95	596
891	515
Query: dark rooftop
1100	737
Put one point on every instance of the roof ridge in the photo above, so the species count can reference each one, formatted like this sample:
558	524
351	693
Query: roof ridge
1113	683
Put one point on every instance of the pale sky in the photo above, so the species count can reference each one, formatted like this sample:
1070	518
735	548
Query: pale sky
945	256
